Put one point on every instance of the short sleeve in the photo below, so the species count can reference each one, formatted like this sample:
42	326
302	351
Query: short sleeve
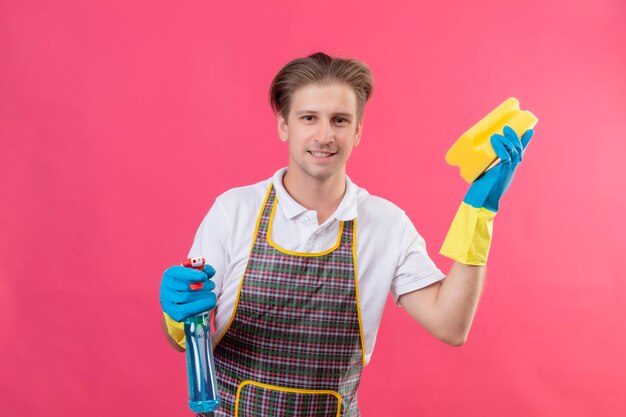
210	242
415	269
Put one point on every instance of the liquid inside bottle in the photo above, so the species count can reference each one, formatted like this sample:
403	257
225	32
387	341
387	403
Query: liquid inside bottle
201	379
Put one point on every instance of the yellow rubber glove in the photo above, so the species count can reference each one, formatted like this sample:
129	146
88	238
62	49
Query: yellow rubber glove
176	330
469	239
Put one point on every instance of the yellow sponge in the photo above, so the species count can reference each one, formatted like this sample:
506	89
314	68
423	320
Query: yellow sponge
473	152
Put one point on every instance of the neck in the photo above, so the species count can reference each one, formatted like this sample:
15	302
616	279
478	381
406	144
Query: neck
323	196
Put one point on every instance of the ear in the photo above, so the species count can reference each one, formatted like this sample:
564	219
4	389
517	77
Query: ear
357	136
282	127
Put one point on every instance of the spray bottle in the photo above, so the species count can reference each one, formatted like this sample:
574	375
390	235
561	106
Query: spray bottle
201	379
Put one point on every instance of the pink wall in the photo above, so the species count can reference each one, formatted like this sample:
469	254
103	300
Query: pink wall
121	122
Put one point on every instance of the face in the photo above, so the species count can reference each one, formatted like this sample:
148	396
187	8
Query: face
321	130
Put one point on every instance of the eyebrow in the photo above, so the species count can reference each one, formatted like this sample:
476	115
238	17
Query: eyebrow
314	112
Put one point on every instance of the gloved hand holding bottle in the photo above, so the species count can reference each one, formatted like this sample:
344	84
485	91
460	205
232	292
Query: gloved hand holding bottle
469	238
186	296
179	300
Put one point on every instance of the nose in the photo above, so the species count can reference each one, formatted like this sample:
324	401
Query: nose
327	134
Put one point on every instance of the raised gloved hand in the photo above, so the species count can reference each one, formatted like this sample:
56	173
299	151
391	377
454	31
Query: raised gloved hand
469	238
178	300
487	189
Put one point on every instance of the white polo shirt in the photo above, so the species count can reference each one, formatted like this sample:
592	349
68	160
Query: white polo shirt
390	254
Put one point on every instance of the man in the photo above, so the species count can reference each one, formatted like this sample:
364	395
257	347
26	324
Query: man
303	261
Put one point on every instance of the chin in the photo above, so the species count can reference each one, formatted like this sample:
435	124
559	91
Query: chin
322	174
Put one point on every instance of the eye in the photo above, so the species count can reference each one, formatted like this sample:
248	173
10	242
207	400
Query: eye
308	118
341	120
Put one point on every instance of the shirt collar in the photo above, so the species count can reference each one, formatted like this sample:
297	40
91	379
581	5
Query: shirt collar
347	209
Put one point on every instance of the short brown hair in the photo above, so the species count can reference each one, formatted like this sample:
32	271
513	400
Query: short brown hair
320	68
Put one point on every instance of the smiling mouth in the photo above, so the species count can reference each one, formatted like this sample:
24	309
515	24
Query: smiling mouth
319	154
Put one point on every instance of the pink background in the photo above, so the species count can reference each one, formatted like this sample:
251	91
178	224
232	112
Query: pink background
120	122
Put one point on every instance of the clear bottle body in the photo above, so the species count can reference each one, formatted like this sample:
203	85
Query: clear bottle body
201	379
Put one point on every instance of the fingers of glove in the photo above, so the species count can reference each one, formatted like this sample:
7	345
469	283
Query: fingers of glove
199	306
526	137
186	275
499	148
510	148
209	270
209	284
514	141
185	296
179	279
174	285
